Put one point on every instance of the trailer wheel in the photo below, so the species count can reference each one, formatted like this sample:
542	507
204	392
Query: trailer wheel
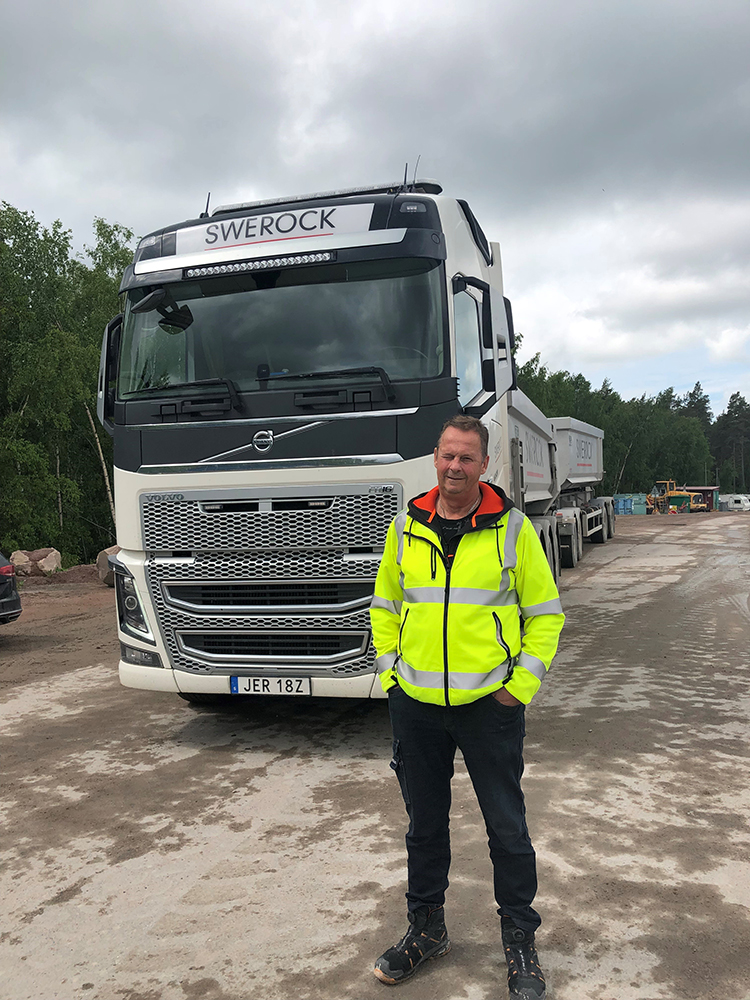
569	553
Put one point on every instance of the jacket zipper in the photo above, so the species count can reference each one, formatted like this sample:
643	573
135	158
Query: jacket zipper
445	632
447	563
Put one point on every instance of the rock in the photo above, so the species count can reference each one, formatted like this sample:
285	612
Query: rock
21	561
51	563
38	562
102	565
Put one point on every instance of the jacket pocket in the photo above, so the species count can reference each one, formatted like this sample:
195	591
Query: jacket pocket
501	642
499	634
401	629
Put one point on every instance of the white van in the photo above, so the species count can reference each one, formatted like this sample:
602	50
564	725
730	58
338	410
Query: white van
735	501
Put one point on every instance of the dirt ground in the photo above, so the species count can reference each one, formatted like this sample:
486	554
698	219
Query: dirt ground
155	851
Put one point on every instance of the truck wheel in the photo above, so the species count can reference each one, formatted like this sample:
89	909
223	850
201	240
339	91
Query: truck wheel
569	553
611	518
600	536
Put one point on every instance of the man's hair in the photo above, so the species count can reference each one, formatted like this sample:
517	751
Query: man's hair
463	422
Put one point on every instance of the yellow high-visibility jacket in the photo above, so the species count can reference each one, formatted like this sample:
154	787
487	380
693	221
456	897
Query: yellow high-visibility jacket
452	629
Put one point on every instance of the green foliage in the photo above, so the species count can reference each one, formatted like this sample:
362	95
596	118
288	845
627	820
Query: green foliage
645	439
54	306
730	439
53	309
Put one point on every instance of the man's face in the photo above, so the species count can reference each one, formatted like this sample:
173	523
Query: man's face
459	463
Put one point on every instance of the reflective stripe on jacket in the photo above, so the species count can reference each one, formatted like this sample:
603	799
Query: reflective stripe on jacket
450	628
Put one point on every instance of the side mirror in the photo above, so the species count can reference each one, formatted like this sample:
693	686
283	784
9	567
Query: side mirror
107	373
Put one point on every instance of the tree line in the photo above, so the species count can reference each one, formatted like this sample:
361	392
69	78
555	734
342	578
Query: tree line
56	462
648	438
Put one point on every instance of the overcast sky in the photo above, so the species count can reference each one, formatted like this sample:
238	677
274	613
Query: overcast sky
604	143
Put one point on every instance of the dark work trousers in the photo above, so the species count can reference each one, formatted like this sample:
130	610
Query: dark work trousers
490	736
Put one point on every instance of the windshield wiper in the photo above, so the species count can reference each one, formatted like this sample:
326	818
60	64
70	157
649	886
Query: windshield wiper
230	386
338	373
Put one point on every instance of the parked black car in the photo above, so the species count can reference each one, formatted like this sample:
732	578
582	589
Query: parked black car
10	601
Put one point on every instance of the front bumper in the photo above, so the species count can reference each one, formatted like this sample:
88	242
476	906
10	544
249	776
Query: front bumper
179	681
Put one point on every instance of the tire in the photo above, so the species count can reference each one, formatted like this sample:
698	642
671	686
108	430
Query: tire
569	553
612	519
600	537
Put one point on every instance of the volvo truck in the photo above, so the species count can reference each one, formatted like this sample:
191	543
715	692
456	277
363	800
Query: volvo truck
275	385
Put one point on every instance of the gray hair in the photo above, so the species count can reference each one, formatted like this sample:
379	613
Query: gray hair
463	422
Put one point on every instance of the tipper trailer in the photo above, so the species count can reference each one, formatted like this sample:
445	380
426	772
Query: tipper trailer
555	467
275	387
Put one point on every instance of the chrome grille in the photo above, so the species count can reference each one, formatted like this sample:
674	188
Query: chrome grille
187	522
298	647
266	590
251	596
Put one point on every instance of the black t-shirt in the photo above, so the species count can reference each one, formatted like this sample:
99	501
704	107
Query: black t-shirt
449	529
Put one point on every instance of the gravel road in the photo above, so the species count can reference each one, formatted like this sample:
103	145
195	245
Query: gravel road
154	851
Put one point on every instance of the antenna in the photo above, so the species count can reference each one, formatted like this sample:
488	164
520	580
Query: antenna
406	174
416	168
204	214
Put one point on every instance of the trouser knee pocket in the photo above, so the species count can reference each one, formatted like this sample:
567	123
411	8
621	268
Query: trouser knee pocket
397	763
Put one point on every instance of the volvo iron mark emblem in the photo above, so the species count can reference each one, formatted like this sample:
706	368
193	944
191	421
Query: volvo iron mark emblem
263	441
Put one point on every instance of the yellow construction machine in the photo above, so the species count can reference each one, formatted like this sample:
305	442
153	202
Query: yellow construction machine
666	498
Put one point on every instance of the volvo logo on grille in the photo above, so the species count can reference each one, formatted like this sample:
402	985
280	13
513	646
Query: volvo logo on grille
263	441
162	497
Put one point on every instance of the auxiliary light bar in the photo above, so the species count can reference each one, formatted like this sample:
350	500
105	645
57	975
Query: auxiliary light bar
260	265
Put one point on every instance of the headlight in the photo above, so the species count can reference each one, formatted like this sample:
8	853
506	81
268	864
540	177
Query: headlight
129	608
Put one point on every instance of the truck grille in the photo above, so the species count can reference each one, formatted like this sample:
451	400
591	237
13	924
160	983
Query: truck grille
277	589
255	595
199	521
295	647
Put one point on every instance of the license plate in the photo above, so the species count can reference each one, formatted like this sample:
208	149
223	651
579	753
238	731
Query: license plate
270	685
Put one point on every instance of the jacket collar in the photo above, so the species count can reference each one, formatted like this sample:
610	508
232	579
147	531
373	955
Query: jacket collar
494	504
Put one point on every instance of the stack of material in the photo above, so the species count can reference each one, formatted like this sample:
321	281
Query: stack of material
630	503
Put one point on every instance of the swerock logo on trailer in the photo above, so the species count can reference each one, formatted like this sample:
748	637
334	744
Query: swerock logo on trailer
273	226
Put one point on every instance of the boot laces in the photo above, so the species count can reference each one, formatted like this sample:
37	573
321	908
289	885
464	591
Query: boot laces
521	956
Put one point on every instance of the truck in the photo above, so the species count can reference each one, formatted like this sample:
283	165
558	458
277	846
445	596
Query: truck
275	385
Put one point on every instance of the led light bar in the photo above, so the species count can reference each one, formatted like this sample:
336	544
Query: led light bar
260	265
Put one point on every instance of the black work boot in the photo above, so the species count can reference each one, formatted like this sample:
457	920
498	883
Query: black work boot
426	938
525	978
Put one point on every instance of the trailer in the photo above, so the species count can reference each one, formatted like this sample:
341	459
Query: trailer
580	513
556	466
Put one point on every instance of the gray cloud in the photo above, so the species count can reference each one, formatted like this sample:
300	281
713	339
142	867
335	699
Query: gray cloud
604	145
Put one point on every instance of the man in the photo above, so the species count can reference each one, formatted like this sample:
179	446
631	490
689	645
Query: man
466	619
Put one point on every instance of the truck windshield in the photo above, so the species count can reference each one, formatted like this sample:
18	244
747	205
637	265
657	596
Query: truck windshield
289	321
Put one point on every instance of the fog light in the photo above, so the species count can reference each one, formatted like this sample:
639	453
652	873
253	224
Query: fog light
140	657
